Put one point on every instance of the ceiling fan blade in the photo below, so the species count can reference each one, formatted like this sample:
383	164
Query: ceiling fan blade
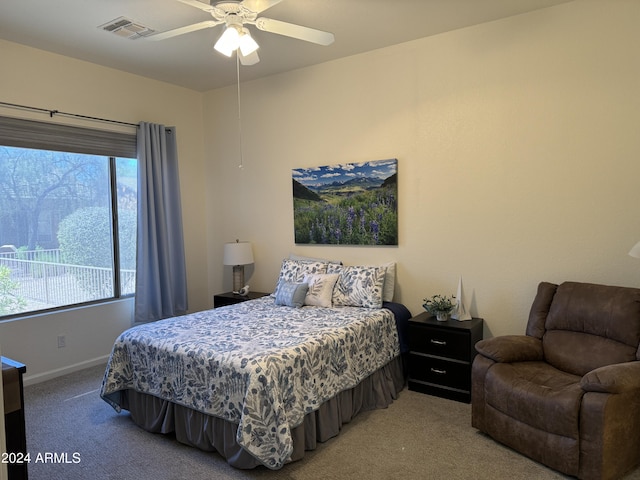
182	30
250	59
257	6
195	3
295	31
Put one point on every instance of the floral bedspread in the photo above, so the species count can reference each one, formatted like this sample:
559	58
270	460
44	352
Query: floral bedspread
256	364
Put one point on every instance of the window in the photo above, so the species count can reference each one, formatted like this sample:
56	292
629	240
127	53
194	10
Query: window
67	216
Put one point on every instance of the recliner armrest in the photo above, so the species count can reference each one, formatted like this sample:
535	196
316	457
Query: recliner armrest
616	378
511	348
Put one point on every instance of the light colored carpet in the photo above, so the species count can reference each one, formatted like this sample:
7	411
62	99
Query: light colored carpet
417	437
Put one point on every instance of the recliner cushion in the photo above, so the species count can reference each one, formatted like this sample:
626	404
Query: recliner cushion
537	394
579	353
590	326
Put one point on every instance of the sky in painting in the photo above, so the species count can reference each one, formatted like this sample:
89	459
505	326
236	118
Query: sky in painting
317	176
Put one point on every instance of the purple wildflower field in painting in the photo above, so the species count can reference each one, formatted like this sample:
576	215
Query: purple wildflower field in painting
347	204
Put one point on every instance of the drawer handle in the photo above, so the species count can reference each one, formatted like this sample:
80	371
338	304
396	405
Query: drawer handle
439	372
438	342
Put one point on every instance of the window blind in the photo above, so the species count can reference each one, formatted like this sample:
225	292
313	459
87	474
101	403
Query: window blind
17	132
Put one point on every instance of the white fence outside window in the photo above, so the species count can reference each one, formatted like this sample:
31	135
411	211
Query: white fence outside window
43	281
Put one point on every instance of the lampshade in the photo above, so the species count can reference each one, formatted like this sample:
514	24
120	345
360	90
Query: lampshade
235	37
247	44
635	250
237	253
228	41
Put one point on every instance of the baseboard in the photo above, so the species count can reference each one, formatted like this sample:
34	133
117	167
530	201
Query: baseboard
58	372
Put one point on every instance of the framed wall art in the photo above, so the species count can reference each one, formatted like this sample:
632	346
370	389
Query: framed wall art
346	204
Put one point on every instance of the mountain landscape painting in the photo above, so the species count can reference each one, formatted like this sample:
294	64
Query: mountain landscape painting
347	204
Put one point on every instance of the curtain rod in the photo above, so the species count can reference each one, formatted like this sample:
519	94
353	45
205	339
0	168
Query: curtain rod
65	114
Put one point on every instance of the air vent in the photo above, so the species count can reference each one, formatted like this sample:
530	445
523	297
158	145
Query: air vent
123	27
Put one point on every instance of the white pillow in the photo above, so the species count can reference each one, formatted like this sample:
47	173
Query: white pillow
389	286
301	258
320	290
358	286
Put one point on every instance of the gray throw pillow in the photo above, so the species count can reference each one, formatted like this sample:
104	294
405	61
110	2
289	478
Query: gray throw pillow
291	294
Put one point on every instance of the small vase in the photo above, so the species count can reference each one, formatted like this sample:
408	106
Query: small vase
442	316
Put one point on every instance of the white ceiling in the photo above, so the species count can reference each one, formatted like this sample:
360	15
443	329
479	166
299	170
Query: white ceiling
69	27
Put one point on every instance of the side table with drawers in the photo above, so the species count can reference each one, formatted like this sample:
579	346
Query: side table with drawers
14	418
441	354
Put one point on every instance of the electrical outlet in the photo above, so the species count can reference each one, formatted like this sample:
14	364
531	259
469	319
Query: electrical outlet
62	341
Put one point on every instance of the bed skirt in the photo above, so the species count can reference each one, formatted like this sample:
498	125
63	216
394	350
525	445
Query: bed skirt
211	433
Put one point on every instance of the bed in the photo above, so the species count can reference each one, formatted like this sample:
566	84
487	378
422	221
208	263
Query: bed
262	381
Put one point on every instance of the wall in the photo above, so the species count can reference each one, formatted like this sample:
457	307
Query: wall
517	146
40	79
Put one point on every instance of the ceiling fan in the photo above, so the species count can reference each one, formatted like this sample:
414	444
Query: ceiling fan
235	15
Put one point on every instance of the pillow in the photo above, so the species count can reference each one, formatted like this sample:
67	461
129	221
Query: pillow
294	271
292	294
293	256
389	285
320	288
358	286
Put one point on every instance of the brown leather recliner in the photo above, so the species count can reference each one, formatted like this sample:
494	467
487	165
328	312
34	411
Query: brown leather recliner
566	394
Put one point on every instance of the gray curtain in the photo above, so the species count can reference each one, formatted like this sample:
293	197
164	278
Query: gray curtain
161	281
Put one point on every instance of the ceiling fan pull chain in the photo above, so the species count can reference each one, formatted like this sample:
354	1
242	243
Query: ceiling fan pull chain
241	166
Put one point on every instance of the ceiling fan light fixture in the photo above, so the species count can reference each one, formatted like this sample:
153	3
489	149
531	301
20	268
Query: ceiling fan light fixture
228	41
247	44
235	37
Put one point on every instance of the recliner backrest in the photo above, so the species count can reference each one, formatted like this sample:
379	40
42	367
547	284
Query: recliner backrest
584	326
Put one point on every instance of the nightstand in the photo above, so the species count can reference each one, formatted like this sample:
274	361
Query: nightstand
230	298
441	354
14	422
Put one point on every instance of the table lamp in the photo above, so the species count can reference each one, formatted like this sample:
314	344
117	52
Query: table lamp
238	254
635	250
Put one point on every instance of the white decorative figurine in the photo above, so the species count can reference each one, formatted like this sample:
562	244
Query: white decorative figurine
459	311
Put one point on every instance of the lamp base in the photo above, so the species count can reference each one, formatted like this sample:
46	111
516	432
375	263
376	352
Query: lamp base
238	278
